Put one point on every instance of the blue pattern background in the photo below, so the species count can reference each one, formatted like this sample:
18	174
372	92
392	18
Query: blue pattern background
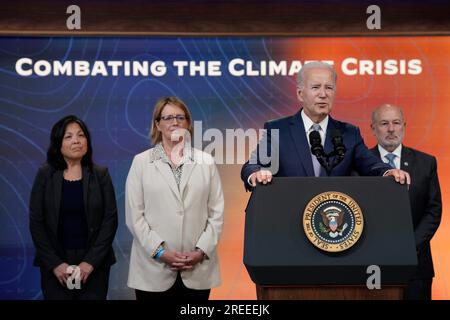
118	112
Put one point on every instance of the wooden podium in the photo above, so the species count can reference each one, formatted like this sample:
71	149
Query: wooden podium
325	292
284	264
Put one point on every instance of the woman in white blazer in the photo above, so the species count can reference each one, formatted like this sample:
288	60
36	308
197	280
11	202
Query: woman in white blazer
174	209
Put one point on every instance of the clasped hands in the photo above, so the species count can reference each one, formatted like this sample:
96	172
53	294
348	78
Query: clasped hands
180	261
62	272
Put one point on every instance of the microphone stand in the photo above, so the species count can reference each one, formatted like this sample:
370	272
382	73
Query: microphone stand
330	160
327	160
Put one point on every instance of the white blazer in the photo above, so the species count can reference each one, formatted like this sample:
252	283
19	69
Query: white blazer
185	218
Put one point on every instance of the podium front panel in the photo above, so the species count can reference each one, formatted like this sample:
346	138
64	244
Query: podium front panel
277	251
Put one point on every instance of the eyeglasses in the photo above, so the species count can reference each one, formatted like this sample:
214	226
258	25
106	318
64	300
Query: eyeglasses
179	117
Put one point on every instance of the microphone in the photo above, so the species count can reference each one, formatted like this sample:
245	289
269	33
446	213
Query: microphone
339	147
316	144
317	149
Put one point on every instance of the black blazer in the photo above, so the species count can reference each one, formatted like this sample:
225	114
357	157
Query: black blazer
426	203
101	213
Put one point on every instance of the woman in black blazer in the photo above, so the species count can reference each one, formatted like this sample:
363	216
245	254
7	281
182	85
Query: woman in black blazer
73	217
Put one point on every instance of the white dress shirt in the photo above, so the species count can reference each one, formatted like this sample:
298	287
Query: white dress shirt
308	123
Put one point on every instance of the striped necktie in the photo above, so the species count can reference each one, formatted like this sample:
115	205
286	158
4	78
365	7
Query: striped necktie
316	164
391	157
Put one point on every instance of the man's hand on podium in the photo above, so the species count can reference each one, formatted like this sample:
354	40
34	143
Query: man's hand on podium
262	176
399	175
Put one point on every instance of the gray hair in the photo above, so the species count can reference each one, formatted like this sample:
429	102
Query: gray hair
385	105
314	65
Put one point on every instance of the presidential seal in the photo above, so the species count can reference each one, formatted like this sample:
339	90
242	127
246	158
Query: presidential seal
333	221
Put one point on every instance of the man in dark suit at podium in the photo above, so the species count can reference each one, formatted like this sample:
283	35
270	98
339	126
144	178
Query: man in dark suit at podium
388	126
316	88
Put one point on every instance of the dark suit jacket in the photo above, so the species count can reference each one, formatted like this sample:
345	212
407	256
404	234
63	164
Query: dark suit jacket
295	155
426	203
101	214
